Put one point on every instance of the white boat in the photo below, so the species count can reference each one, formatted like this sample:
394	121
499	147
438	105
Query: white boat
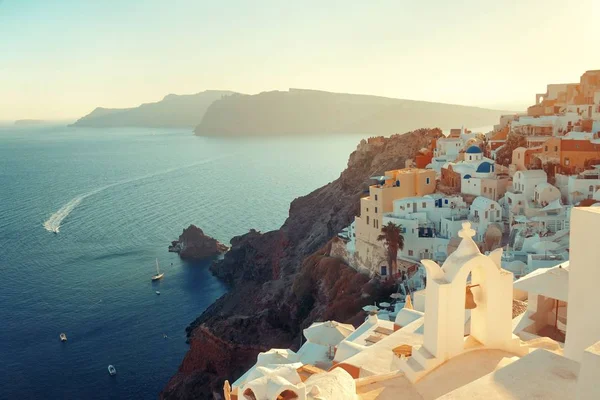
63	337
158	274
112	370
157	292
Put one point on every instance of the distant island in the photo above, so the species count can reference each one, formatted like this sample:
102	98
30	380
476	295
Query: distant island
27	122
293	112
173	111
302	112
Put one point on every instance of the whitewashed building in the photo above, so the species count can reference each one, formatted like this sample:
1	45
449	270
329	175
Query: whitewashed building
483	213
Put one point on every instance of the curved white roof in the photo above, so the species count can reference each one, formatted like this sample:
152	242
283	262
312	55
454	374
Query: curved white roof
334	385
545	185
484	202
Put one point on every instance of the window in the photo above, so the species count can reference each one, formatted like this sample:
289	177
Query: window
424	205
375	210
491	205
519	156
591	188
498	213
555	148
367	209
398	183
367	220
410	252
383	270
484	190
545	148
428	180
375	199
446	201
486	214
566	160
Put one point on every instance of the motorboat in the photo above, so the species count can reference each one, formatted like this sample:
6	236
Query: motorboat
63	337
157	292
158	274
112	370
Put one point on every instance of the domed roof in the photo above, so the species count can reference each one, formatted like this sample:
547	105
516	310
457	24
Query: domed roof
474	150
485	167
467	176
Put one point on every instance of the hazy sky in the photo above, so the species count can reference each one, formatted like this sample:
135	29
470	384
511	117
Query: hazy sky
62	58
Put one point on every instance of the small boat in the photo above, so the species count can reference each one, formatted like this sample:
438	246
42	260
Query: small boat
63	337
157	292
112	370
158	274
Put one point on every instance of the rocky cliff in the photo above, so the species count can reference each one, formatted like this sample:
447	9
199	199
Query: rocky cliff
284	280
194	244
306	112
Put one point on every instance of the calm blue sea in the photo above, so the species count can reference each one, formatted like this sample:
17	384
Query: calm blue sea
118	197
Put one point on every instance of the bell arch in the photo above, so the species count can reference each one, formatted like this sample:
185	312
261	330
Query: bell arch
491	319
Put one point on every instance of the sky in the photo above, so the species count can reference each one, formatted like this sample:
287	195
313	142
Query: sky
60	59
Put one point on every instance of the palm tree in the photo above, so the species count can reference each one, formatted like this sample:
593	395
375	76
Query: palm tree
394	241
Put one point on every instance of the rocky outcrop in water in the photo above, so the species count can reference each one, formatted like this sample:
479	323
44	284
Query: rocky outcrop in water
194	244
282	281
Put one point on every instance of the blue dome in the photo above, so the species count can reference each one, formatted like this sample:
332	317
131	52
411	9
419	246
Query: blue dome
485	167
474	150
467	176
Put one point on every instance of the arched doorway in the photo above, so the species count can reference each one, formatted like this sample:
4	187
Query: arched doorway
287	395
249	394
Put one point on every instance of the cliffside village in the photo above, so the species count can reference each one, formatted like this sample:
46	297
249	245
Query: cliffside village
497	248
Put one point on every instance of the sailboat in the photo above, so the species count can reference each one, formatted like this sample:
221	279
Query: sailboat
158	275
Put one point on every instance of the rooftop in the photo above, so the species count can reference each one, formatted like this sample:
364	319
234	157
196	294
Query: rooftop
474	150
540	375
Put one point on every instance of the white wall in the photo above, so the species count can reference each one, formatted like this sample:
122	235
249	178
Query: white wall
584	279
471	186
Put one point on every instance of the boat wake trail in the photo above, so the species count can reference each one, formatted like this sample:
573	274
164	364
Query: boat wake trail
54	222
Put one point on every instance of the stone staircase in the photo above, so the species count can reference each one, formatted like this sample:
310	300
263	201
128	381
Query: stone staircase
422	361
418	364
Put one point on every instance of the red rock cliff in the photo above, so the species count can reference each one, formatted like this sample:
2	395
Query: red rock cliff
284	280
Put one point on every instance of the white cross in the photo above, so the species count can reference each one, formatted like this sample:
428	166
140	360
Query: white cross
466	231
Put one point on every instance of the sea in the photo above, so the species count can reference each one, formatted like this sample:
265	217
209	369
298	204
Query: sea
116	198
